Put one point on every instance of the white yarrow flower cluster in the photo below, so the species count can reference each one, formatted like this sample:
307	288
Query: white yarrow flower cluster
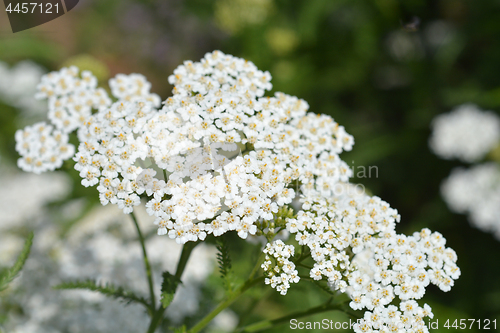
133	88
467	133
220	150
71	99
278	269
397	268
43	148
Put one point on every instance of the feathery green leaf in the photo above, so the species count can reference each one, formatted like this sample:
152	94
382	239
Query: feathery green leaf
106	289
224	260
10	274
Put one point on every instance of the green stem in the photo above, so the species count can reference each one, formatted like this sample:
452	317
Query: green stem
228	301
232	296
256	268
266	324
146	264
256	301
183	259
305	266
181	265
304	253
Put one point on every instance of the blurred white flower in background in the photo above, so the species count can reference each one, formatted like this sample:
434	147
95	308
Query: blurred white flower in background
24	195
9	247
404	46
100	246
18	86
476	192
226	321
470	134
467	133
439	33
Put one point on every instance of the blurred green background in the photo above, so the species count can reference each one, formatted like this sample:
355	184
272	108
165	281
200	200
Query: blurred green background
381	68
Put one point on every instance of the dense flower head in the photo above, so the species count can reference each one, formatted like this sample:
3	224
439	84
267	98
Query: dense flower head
279	270
466	133
42	148
71	97
217	149
353	243
132	88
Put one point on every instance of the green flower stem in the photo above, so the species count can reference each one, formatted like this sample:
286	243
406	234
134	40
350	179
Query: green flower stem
266	324
304	254
181	265
232	296
228	301
256	268
146	264
183	259
305	266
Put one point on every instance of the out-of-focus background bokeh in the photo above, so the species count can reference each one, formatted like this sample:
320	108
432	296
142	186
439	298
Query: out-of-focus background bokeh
381	68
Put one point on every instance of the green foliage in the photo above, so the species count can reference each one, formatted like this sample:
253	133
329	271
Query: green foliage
107	289
181	329
224	261
31	47
10	274
168	288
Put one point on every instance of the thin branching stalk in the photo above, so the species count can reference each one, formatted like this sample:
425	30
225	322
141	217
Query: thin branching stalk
257	266
181	265
267	324
147	266
224	304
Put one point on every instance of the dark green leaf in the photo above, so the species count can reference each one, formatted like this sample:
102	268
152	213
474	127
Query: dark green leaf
168	287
